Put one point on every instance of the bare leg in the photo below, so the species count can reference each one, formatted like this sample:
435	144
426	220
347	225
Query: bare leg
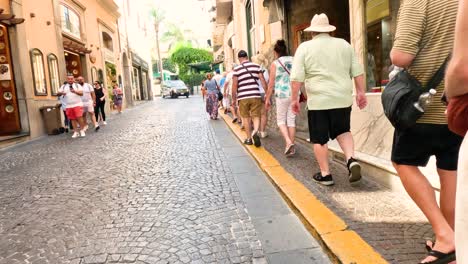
286	135
448	184
93	119
347	144
75	125
82	122
247	127
321	153
234	112
420	190
256	124
292	134
263	122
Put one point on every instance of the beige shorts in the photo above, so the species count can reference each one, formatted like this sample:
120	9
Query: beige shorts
88	108
251	107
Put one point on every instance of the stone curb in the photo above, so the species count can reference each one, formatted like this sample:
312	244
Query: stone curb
345	245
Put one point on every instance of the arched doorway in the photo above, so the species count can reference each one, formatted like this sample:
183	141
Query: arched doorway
127	80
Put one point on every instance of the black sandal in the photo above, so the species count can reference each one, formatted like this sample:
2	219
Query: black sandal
442	258
234	120
429	248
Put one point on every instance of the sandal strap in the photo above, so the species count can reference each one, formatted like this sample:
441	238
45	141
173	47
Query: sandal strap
439	254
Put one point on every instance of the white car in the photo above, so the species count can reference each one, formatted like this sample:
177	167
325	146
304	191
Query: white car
174	89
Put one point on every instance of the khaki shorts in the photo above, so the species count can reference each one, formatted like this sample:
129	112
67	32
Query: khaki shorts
251	107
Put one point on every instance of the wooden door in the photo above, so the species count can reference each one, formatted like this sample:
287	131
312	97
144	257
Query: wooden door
9	113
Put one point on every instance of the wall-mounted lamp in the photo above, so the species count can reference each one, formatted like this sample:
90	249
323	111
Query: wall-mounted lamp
32	15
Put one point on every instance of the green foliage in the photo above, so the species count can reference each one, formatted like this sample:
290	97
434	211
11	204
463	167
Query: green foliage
186	55
169	65
192	80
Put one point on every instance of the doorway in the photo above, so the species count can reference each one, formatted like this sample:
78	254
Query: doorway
73	64
9	110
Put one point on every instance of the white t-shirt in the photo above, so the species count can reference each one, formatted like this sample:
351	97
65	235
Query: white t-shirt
87	90
266	75
228	82
218	78
71	99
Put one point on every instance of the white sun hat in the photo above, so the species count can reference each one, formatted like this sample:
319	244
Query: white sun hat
320	23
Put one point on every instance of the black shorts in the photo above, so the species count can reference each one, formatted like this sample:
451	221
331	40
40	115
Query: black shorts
328	124
417	144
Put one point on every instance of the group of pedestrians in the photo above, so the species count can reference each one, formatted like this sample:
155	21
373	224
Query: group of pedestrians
81	100
326	69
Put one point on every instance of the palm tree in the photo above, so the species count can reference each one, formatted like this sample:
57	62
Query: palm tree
158	16
175	36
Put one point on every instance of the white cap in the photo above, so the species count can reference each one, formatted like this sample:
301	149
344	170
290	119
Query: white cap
432	91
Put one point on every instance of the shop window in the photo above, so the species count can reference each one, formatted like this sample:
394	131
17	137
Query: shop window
381	19
70	21
37	64
249	13
107	41
53	74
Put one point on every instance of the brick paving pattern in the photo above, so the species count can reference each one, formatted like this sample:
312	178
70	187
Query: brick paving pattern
151	187
388	220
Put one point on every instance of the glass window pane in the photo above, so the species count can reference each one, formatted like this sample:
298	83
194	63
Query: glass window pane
54	74
381	18
70	21
38	70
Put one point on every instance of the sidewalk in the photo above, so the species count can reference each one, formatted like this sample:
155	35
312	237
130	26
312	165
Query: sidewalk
387	220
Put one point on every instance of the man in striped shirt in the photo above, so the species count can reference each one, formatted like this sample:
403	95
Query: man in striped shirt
246	93
424	39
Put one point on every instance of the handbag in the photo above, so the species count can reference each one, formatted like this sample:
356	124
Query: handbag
220	94
457	114
302	97
402	92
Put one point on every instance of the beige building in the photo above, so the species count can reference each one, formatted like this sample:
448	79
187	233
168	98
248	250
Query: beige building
369	25
57	37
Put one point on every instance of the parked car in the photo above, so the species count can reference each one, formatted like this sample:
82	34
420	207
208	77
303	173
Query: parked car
174	89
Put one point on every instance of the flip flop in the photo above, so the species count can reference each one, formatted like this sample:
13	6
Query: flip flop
429	247
442	258
288	149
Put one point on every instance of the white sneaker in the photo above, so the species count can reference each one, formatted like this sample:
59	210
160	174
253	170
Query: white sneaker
263	134
75	135
105	123
82	133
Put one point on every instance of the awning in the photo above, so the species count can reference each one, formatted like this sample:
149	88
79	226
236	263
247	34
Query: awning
9	19
74	46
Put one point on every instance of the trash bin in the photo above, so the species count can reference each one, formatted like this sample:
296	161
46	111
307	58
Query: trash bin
51	115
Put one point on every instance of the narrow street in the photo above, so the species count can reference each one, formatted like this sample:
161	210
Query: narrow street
159	184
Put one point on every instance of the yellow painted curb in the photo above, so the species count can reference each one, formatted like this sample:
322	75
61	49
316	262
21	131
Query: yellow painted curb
347	246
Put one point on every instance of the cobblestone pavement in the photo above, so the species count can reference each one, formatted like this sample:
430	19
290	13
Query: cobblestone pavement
151	187
388	220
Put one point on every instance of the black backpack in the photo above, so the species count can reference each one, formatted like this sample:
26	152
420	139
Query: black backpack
402	92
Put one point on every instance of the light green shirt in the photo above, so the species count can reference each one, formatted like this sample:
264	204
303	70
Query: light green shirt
326	65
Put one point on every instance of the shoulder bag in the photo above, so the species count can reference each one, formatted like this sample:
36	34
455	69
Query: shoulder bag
302	98
220	94
402	92
255	78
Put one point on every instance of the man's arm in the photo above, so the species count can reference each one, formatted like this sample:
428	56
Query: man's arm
263	81
234	90
401	58
456	81
361	98
78	90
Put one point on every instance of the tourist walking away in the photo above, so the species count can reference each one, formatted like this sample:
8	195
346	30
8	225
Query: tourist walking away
72	93
217	77
203	90
99	108
260	59
89	102
222	101
228	95
280	85
118	98
63	107
212	90
246	94
423	41
457	92
327	67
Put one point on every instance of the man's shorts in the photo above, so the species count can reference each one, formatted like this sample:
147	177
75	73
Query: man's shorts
88	107
74	113
250	107
328	124
417	144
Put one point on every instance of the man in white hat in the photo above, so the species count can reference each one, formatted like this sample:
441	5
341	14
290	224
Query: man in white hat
327	67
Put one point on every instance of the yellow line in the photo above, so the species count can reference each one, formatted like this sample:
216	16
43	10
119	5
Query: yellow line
346	245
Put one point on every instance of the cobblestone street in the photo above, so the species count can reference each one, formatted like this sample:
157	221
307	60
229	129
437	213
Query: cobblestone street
156	185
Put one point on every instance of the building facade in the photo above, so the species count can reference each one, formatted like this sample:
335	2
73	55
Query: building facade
369	25
57	38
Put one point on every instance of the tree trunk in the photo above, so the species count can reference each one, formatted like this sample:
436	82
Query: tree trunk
159	52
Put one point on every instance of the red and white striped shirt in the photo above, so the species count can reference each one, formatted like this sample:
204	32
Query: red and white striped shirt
247	80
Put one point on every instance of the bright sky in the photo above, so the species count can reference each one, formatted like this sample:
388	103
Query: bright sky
188	14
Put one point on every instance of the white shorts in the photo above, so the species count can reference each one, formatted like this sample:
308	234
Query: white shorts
284	113
88	107
461	208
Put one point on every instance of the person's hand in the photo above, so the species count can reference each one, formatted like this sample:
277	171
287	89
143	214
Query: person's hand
361	100
102	99
267	104
296	106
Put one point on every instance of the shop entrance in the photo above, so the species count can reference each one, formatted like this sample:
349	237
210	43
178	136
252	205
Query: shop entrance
73	64
300	13
9	111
